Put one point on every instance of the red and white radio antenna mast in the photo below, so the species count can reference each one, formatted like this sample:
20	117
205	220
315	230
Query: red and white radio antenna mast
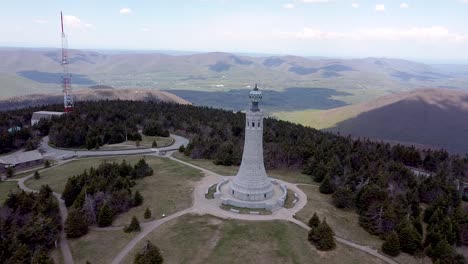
66	76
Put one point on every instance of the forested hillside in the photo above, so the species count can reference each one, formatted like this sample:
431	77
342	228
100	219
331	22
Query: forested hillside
374	178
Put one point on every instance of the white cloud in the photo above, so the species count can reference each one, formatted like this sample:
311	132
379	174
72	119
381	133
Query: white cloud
288	6
315	1
380	8
435	33
355	5
40	21
75	22
404	5
144	29
125	11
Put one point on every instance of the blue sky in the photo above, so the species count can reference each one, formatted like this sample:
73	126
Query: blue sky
417	29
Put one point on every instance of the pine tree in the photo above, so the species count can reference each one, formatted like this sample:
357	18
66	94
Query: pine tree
137	199
391	246
134	226
410	239
105	216
322	237
154	144
441	252
343	197
327	187
147	214
37	176
314	221
47	164
10	172
40	257
182	149
149	255
76	225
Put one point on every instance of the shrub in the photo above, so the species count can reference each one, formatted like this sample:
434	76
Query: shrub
147	214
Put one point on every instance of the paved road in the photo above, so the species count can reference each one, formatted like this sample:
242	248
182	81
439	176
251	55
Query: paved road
63	244
201	206
60	154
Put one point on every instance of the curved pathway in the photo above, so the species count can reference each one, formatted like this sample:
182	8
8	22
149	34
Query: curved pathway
202	206
60	154
63	244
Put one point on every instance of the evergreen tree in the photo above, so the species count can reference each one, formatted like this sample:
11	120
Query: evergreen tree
441	252
105	216
322	237
37	176
149	255
182	149
391	246
147	214
10	172
40	257
21	254
343	197
76	225
134	226
314	221
47	164
410	239
137	199
327	187
154	144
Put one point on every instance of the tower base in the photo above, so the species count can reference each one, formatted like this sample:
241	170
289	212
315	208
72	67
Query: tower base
276	196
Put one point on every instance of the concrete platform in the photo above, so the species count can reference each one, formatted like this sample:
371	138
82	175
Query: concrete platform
276	201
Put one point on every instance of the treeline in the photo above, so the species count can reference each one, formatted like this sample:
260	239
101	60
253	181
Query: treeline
29	227
98	195
385	184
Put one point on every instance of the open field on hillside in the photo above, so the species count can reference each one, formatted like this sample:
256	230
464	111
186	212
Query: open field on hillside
146	142
99	246
5	188
167	191
207	239
292	176
344	222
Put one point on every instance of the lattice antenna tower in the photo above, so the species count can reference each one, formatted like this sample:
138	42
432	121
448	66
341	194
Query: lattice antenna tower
66	76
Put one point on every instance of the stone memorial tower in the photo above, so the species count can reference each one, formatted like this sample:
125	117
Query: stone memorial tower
251	182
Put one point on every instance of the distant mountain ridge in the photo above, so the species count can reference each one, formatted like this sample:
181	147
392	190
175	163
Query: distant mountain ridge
91	94
424	117
220	71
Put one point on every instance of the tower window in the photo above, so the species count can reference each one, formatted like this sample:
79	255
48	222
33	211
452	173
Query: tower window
264	195
258	124
253	124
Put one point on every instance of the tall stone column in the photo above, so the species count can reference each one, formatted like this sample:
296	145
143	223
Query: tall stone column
251	182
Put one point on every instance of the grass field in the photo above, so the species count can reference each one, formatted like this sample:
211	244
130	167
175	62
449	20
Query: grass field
345	223
207	239
146	142
167	191
292	176
5	188
99	246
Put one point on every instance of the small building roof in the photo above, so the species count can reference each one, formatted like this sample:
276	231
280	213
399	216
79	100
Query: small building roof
21	157
49	112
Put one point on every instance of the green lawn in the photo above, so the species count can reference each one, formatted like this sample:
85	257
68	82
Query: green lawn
167	191
99	246
146	142
292	176
5	188
207	239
